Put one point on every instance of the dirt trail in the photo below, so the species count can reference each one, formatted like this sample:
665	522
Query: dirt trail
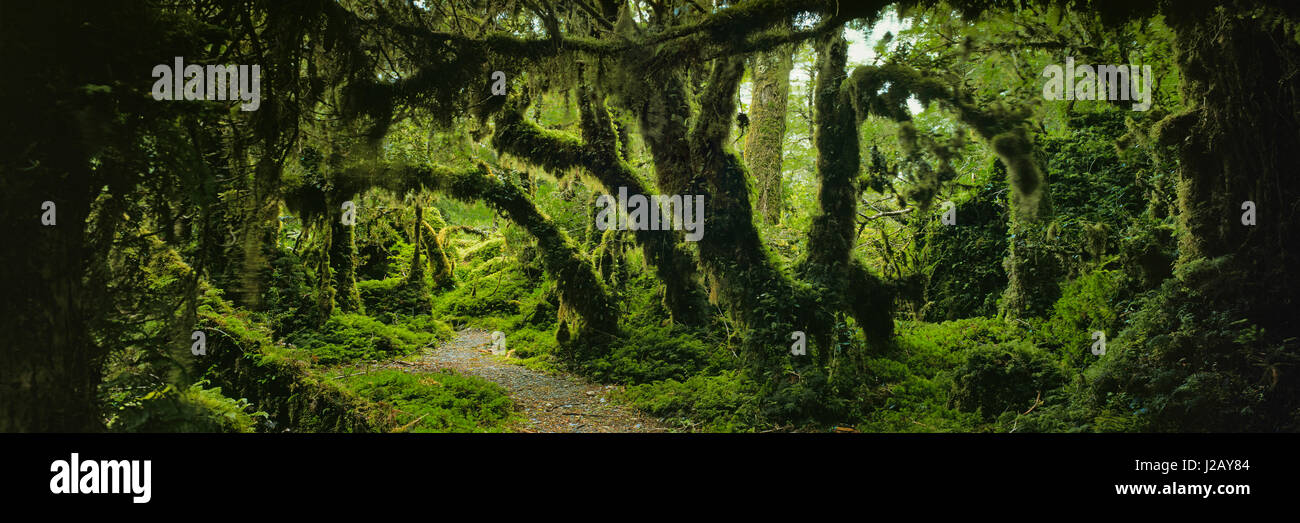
549	402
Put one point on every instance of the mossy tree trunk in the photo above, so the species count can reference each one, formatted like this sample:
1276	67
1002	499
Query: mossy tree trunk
764	143
590	315
415	274
440	266
324	278
842	281
1238	138
343	262
1033	271
1230	364
259	228
597	152
741	273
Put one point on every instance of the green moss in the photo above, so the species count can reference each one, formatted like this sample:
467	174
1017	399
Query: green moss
1089	303
725	403
354	337
388	299
487	289
242	360
441	401
1005	377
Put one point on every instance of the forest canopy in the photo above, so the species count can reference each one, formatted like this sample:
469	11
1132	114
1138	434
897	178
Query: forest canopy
793	215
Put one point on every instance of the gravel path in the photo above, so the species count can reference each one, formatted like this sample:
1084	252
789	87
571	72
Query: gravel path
549	402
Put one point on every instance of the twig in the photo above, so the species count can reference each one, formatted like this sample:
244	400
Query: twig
922	424
407	426
887	213
1037	401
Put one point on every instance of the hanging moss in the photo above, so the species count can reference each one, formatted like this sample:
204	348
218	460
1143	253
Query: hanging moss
843	282
598	154
884	91
584	301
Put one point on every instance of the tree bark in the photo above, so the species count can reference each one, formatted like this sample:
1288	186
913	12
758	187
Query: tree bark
597	153
764	143
585	304
343	262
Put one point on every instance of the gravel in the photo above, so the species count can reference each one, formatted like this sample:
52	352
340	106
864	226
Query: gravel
549	402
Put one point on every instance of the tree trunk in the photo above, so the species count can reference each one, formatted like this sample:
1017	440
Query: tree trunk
585	304
416	274
439	264
50	366
598	154
343	261
1033	272
763	145
1229	364
843	281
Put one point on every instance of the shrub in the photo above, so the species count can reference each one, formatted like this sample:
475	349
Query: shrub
724	403
1199	356
1004	377
387	299
354	337
651	353
438	402
196	409
244	362
1089	303
289	299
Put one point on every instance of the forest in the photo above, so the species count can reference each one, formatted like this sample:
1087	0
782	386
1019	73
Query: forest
1006	216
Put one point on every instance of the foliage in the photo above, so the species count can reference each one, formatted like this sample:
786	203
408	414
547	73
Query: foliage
386	300
291	302
196	409
438	402
355	337
651	354
280	381
478	210
1088	304
724	403
1002	377
963	264
1191	359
